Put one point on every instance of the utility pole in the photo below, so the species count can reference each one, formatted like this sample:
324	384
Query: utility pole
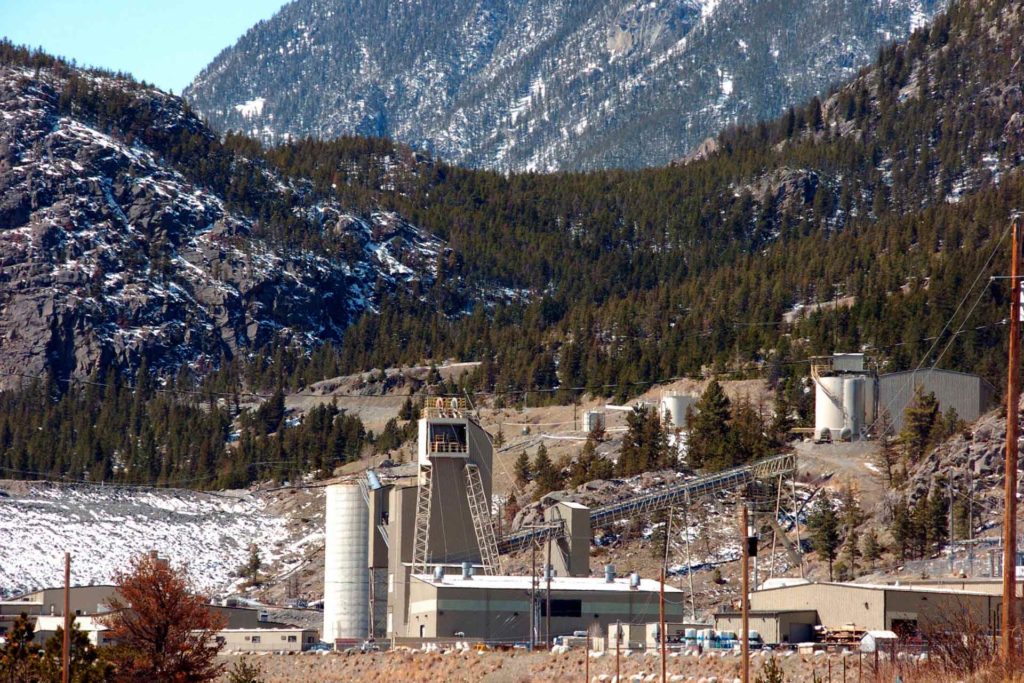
533	593
662	632
547	599
1010	467
618	639
745	590
65	674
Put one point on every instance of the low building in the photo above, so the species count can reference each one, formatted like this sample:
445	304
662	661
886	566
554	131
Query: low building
50	601
497	608
870	607
970	395
46	627
774	627
267	639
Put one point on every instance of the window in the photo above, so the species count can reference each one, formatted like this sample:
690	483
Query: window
293	639
255	639
562	608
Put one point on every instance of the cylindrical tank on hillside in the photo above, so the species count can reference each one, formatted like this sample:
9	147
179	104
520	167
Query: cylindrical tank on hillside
674	407
828	408
593	419
853	406
346	560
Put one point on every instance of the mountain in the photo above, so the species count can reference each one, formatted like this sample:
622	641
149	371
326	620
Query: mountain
540	84
891	194
120	240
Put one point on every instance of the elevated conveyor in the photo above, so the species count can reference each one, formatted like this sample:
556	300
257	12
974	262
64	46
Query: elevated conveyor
670	496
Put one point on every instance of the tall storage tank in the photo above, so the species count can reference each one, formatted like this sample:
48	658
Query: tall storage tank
674	407
853	405
828	408
346	564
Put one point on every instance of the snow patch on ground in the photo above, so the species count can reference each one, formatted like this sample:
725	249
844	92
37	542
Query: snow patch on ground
104	527
253	107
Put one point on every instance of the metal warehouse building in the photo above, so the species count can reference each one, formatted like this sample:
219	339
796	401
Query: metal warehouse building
498	607
869	607
970	395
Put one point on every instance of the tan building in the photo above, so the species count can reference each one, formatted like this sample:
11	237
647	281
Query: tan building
50	601
46	627
498	607
795	626
870	607
267	639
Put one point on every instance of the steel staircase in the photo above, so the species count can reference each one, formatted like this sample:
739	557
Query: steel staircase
483	525
421	539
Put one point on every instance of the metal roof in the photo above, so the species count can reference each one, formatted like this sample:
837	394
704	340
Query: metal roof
558	583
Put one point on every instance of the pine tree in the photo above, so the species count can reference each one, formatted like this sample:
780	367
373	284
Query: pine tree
871	549
19	656
918	424
824	528
710	441
902	528
549	477
87	665
521	470
887	457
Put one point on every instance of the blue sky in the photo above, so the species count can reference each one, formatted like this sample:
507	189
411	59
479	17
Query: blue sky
165	42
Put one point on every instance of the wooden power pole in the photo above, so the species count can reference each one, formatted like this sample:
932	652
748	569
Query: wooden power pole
547	600
662	631
744	592
65	673
1010	468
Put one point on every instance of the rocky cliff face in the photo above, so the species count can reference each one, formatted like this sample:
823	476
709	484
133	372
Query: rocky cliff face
541	84
109	255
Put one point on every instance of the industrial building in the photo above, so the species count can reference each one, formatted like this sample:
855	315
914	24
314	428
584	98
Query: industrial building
46	609
790	614
848	398
970	395
498	607
416	554
282	639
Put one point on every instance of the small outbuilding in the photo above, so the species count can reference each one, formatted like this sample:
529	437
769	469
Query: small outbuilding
877	641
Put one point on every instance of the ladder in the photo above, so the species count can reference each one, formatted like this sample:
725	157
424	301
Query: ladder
421	542
483	525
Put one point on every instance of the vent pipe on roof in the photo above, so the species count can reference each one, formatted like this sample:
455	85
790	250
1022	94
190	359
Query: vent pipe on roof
609	573
549	572
438	574
634	581
467	571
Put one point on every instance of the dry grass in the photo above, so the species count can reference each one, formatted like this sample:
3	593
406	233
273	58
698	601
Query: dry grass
522	667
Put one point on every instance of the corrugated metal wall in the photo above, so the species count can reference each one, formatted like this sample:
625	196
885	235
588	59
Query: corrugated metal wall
970	395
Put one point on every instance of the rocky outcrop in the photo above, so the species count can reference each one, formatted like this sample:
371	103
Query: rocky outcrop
109	255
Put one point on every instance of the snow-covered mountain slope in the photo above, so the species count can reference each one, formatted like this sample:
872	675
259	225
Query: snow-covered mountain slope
541	84
105	527
109	254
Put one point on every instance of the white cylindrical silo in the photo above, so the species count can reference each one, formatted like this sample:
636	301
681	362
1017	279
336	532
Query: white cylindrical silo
853	405
828	408
346	560
674	407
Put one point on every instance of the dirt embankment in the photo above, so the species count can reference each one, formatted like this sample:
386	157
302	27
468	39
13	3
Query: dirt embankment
543	667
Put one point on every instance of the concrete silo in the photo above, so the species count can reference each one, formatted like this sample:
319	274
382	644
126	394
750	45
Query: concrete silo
346	559
844	397
829	420
674	407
